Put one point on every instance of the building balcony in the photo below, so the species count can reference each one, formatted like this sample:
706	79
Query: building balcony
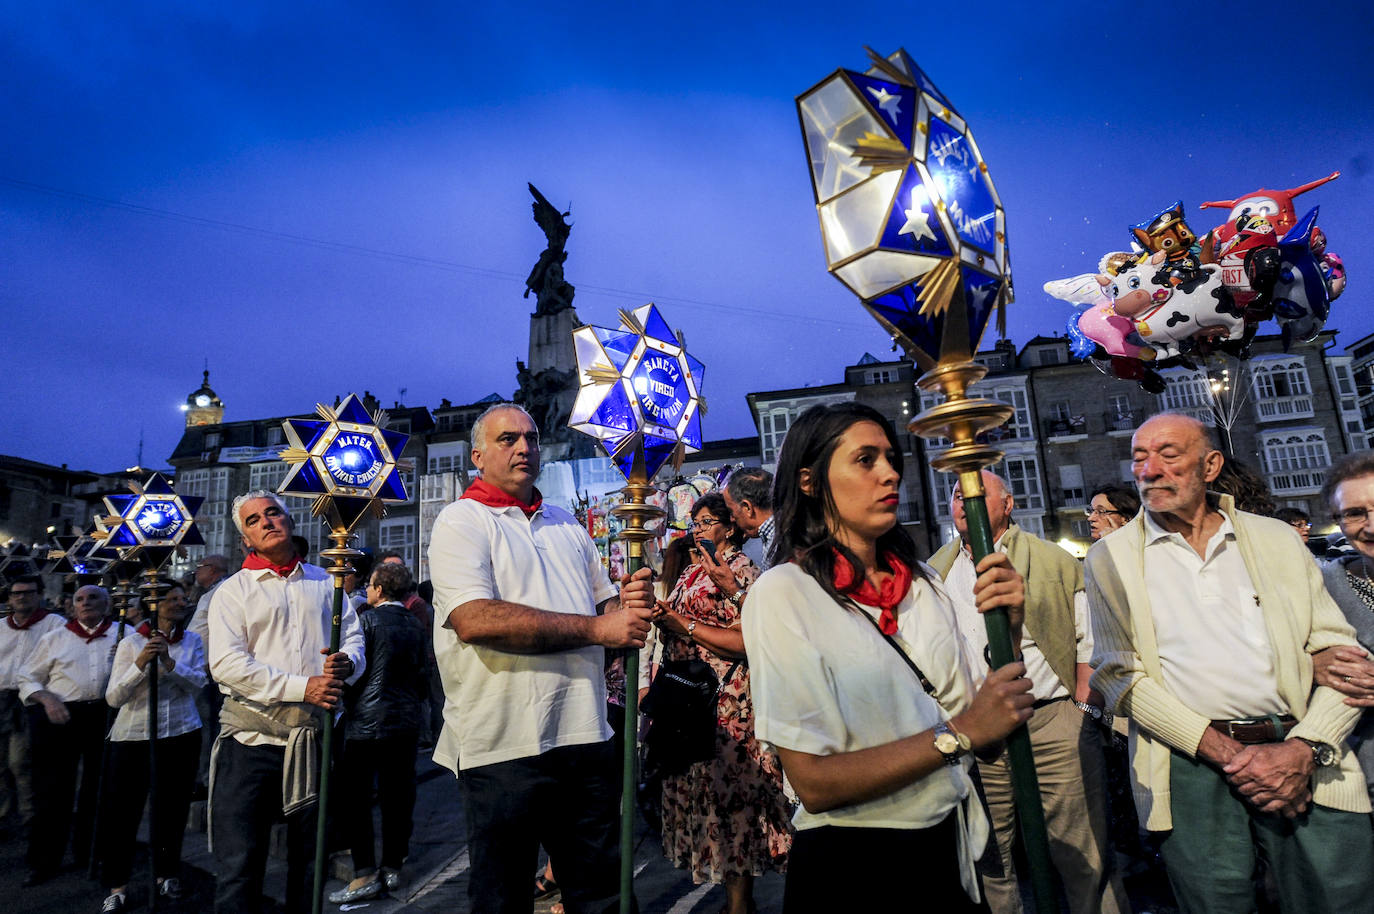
1297	482
1274	409
1119	424
1072	428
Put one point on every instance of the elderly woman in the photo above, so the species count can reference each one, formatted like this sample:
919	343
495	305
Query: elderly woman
725	819
863	685
1349	490
1110	508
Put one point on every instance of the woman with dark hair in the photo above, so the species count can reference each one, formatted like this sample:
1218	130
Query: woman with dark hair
1110	507
180	659
863	685
725	819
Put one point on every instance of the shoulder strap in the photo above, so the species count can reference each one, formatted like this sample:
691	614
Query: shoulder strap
906	658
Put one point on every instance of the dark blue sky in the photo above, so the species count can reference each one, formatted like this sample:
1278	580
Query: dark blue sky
324	199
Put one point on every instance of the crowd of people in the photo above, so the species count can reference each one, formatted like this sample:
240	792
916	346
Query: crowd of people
859	721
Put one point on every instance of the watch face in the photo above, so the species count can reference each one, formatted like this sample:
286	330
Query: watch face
946	743
1324	754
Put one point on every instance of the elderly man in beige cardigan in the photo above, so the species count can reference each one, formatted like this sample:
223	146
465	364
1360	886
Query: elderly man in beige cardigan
1204	622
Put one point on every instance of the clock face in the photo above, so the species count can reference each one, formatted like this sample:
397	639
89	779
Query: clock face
202	400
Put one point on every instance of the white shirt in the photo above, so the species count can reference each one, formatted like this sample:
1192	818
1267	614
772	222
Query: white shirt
266	634
501	706
1214	649
16	644
1044	683
176	690
200	619
68	665
824	681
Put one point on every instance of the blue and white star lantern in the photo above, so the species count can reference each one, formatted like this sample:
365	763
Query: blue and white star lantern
910	219
149	524
346	460
639	388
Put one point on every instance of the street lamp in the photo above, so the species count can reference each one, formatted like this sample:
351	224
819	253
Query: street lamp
912	225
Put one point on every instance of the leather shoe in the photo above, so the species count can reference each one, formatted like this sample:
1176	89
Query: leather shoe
367	890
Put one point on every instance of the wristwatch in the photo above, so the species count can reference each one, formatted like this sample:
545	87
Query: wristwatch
1322	753
950	743
737	597
691	627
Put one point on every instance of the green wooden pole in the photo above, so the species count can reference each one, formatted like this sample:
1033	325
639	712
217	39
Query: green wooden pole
326	757
1025	786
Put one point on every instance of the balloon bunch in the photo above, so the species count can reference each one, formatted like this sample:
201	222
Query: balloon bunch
1175	298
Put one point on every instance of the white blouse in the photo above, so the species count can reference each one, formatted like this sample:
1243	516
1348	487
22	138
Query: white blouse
176	690
823	681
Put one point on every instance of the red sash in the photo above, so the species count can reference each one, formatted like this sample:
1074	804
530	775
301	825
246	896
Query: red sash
76	628
894	589
486	493
146	630
255	562
37	615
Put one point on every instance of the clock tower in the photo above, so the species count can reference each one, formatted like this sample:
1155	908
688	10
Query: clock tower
203	406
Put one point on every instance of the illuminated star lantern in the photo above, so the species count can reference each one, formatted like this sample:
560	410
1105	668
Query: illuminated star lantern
151	522
910	220
639	388
346	460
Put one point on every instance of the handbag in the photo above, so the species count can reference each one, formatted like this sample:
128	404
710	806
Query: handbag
681	706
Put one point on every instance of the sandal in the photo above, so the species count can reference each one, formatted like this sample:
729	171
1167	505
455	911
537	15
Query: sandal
544	887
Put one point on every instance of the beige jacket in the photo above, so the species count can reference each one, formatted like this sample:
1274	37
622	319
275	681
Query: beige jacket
1300	618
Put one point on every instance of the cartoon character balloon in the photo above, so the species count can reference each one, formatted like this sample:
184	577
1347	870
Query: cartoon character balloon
1175	297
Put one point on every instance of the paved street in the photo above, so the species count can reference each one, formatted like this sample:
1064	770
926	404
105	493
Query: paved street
435	876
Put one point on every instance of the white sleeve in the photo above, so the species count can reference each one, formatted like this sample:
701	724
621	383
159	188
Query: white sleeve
1083	627
459	562
352	643
234	665
794	702
190	672
125	675
35	669
597	575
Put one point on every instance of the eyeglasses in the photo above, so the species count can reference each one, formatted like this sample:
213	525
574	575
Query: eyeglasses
710	522
1100	512
32	591
1352	515
1300	525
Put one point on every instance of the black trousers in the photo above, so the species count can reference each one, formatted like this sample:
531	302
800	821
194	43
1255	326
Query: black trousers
568	800
57	751
246	802
389	764
122	806
833	868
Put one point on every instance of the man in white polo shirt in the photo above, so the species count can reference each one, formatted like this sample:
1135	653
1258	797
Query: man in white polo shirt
524	612
1204	620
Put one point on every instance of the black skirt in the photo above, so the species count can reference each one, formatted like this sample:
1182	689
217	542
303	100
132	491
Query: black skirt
851	870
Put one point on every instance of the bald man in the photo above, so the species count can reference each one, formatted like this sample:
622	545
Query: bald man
63	683
1064	737
1204	621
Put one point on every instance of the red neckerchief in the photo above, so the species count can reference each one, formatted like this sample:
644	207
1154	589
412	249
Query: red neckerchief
146	630
76	628
255	562
893	591
37	614
486	493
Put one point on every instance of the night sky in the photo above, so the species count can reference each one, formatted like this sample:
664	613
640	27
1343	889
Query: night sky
324	198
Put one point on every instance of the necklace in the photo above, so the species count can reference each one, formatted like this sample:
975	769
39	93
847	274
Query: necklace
1362	586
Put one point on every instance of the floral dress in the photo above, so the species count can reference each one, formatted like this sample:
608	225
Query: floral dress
727	816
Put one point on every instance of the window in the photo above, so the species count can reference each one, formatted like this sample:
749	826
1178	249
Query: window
274	436
1047	357
1082	528
1295	459
1281	389
880	376
1071	484
267	475
1019	425
1186	390
774	425
212	439
941	489
1059	409
398	535
1344	383
1127	470
1024	477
